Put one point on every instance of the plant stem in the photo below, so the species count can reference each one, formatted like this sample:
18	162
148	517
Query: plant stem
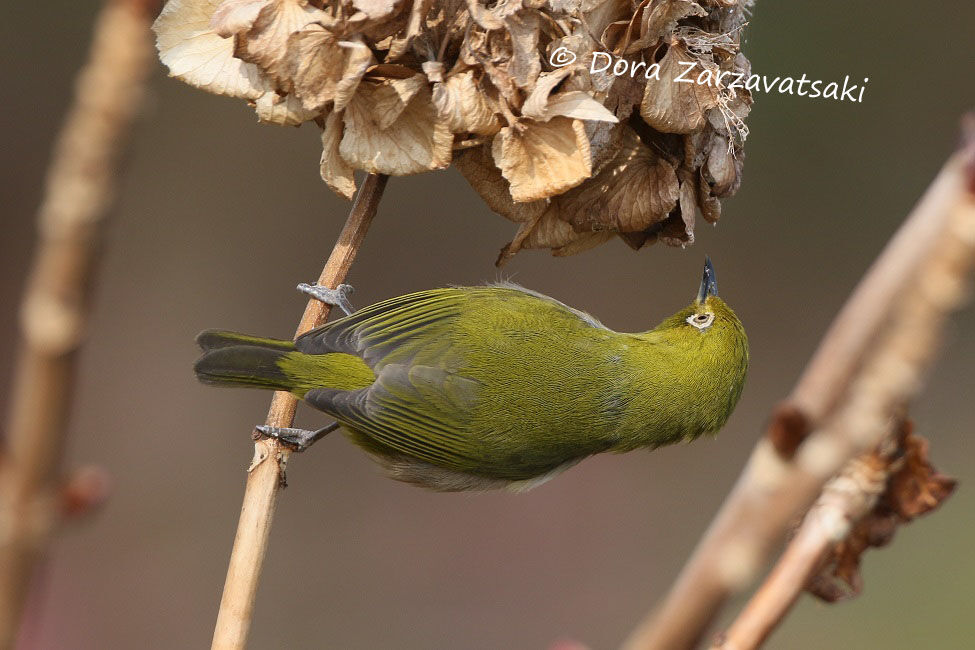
79	193
871	361
266	474
845	500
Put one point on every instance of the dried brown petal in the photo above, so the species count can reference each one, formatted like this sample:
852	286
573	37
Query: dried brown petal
197	55
524	66
233	16
721	171
914	488
477	166
416	141
537	100
358	61
542	159
633	192
578	105
599	14
400	46
552	232
317	63
677	103
678	229
918	487
659	19
465	108
336	173
548	231
391	98
709	205
272	108
605	140
265	44
484	16
376	9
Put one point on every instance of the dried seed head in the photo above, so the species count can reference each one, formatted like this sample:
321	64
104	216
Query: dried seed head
579	120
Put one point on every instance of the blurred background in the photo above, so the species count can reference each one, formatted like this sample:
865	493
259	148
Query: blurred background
219	217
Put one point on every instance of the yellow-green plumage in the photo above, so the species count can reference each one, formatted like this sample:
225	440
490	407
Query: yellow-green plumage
473	388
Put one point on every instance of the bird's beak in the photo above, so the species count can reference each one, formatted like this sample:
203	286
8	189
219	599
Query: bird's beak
709	283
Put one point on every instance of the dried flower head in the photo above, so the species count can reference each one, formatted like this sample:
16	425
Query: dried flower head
913	488
579	120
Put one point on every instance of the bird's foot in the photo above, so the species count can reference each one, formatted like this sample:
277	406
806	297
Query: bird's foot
300	439
338	296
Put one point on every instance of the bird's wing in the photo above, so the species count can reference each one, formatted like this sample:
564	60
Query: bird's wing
395	327
413	328
421	401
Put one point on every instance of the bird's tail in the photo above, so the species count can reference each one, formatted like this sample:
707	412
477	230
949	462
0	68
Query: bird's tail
232	359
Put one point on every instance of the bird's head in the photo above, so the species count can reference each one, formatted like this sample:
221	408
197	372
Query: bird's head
708	320
708	350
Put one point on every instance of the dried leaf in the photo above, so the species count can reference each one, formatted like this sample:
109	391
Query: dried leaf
198	56
542	159
914	488
272	108
537	100
465	108
484	16
265	44
633	192
415	142
477	166
336	173
659	19
400	46
918	487
709	205
578	105
599	14
673	105
233	16
524	66
391	98
678	228
548	231
376	9
721	172
358	61
316	63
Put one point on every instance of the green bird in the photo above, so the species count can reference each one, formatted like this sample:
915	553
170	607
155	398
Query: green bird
473	388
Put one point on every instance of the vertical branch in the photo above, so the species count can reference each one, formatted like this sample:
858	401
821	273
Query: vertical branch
266	473
871	360
79	192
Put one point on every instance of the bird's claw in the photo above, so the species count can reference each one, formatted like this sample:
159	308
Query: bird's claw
299	439
339	296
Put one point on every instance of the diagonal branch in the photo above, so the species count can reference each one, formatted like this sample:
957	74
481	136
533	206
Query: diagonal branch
871	361
78	195
266	474
859	508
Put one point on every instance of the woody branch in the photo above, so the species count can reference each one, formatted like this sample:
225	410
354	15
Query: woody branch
871	361
81	183
266	474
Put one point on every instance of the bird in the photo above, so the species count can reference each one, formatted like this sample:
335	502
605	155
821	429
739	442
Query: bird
496	386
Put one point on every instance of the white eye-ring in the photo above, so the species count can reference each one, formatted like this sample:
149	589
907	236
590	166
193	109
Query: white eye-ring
701	321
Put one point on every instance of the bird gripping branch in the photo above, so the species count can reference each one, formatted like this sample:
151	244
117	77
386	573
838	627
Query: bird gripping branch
475	388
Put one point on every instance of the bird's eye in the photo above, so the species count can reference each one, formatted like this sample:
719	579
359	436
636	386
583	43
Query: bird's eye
701	321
